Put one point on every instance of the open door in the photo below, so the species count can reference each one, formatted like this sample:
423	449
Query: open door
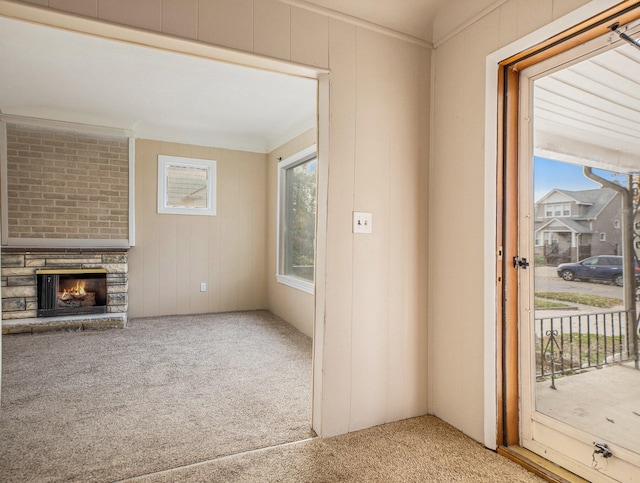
579	159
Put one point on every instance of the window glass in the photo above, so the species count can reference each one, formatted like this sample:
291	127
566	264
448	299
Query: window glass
186	186
296	251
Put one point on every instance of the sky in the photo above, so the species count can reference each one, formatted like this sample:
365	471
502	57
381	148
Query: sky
549	174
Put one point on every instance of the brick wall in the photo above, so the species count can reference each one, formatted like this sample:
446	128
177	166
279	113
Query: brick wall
65	184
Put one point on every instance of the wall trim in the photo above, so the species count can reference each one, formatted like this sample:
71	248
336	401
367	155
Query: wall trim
67	126
358	22
4	197
462	27
70	243
158	40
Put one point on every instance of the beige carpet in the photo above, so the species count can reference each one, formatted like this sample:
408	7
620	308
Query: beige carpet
165	392
421	449
222	398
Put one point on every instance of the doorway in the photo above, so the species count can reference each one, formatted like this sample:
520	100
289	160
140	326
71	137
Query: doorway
236	59
570	321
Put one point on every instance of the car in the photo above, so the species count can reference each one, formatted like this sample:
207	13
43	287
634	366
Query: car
606	268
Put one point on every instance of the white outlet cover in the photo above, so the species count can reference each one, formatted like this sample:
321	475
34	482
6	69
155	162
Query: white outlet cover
362	222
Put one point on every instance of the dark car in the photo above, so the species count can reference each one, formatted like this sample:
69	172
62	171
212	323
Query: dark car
602	267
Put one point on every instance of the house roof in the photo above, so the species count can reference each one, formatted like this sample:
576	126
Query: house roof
572	225
595	199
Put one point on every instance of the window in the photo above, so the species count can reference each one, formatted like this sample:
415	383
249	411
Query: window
186	186
297	219
557	210
603	237
616	224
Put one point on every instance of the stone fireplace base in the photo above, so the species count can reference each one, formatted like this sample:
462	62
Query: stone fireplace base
71	323
20	295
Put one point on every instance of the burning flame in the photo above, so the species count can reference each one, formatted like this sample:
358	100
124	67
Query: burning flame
78	289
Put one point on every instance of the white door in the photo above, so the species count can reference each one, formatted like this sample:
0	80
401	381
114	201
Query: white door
578	162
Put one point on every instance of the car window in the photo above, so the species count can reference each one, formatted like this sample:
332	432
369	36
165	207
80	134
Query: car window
590	261
611	261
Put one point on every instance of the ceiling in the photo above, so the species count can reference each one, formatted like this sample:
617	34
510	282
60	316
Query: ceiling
54	74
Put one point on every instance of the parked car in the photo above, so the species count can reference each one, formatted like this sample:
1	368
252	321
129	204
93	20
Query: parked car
601	267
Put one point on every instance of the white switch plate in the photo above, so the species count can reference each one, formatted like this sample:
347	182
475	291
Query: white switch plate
362	222
203	287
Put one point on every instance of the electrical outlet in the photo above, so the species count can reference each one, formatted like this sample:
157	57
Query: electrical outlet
362	222
203	287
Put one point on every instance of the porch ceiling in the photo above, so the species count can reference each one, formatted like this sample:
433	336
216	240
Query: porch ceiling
589	112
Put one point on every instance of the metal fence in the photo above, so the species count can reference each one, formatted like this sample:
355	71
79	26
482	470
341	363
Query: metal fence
571	344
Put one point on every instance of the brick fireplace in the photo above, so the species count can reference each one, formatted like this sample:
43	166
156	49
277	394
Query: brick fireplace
22	311
67	193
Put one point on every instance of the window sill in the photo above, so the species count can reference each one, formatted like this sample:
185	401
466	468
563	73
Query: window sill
296	283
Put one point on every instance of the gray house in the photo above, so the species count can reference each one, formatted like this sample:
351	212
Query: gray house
572	225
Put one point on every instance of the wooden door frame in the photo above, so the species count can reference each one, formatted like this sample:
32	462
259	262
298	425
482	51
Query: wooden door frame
507	384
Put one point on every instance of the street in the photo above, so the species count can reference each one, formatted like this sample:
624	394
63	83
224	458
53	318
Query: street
547	280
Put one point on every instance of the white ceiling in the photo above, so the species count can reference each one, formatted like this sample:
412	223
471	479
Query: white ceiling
54	74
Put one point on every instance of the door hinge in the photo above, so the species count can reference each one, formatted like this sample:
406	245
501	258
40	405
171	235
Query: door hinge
520	262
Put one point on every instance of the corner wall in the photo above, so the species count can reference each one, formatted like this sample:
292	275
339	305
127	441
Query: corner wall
465	35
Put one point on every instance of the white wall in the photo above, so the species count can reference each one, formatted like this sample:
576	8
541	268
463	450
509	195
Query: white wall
374	344
466	32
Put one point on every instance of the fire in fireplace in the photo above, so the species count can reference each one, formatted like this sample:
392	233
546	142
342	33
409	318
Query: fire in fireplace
71	292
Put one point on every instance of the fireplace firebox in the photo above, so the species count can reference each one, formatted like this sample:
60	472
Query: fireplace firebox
71	292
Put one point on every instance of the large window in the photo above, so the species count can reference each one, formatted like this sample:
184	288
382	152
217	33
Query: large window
297	219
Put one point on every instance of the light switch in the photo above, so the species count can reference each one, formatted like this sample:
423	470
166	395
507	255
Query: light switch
362	222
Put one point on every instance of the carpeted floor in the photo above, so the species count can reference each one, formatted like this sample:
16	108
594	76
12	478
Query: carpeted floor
424	449
165	392
222	398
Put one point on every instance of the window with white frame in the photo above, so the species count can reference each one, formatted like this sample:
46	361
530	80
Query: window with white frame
297	219
186	186
603	237
557	210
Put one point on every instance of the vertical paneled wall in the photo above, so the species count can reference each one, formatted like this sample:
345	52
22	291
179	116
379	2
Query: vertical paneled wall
457	193
174	254
374	350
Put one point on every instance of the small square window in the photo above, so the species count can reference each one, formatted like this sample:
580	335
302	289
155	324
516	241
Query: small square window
186	186
603	237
